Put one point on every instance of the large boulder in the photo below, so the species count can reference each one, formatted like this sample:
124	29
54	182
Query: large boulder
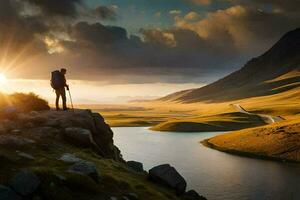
86	168
24	183
8	194
14	142
136	166
78	136
103	135
79	127
40	133
168	175
70	158
25	155
130	196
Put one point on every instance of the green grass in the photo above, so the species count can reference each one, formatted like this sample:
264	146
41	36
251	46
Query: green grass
23	102
279	141
202	116
221	122
116	178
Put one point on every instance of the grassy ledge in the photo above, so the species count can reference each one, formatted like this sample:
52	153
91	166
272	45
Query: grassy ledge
279	141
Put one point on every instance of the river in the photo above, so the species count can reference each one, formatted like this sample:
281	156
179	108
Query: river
215	175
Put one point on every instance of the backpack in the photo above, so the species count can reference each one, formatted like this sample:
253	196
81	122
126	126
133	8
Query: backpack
56	80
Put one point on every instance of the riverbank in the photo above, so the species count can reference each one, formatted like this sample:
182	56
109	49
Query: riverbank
242	177
70	155
279	141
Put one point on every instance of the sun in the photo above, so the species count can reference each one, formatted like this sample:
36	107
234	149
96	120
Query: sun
3	78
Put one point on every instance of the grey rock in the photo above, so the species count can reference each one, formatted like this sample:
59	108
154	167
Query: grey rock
15	142
25	182
113	198
70	158
131	196
86	168
26	155
193	195
168	175
53	123
43	132
38	120
61	177
78	136
7	193
136	166
103	136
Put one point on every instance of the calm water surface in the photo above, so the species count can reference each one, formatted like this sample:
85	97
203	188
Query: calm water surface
214	174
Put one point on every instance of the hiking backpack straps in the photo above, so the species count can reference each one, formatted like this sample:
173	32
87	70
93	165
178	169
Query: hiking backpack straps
56	80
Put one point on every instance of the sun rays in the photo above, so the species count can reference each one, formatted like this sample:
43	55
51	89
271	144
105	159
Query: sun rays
3	78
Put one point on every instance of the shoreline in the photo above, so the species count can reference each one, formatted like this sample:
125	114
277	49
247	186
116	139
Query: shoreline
208	144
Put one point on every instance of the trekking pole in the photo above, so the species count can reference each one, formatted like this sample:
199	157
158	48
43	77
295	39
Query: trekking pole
71	99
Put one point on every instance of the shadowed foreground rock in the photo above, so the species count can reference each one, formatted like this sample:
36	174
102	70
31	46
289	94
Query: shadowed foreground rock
7	193
136	166
71	155
24	182
82	128
86	168
169	176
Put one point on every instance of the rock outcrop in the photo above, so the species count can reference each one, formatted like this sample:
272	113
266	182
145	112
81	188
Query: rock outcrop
7	193
86	168
71	155
81	127
135	166
24	182
168	175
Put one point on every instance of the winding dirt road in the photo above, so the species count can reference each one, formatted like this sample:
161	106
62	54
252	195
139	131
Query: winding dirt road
267	118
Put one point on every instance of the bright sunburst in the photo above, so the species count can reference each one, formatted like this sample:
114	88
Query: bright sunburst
3	78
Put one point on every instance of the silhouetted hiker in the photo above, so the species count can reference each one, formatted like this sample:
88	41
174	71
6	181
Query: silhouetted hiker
58	83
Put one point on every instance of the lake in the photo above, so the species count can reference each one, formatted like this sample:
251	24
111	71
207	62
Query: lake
215	175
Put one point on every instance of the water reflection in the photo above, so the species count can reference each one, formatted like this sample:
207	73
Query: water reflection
214	174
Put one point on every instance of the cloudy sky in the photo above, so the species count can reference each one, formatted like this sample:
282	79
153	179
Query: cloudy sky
135	48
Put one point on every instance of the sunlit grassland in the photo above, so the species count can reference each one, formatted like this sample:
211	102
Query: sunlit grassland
172	116
278	141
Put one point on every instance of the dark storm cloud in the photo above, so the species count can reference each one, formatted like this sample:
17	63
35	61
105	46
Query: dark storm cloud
19	32
97	34
169	53
104	12
57	7
194	50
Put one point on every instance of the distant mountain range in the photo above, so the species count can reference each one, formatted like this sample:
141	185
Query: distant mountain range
275	71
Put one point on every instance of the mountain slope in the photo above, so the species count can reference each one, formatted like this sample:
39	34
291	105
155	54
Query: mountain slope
275	71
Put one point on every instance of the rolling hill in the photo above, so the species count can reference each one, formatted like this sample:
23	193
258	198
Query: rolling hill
276	71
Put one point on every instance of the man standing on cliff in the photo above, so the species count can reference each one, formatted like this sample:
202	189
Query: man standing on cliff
59	83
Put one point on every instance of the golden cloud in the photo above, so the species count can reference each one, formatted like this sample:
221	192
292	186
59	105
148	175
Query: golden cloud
191	16
243	26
